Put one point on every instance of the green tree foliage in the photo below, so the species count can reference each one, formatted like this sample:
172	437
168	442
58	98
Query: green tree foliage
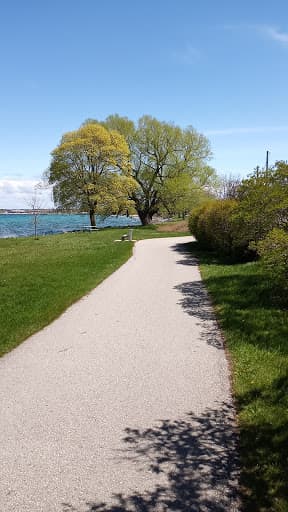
90	171
180	195
169	164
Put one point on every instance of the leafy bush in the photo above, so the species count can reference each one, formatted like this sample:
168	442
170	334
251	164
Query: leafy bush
273	251
212	225
236	227
262	205
197	225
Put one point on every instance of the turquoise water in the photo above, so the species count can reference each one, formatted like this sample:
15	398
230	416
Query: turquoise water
14	225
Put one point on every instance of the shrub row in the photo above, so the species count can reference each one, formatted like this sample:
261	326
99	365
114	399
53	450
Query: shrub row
213	225
218	226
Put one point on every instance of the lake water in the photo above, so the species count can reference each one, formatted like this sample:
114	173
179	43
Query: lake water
15	225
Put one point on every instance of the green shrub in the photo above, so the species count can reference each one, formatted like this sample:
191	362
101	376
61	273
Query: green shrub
212	225
197	226
273	251
220	225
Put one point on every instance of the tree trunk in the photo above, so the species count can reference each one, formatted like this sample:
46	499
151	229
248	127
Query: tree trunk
145	217
92	218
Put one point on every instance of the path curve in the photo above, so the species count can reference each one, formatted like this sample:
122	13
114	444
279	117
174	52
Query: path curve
123	403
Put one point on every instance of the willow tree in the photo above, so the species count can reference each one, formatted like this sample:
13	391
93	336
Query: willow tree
167	162
90	172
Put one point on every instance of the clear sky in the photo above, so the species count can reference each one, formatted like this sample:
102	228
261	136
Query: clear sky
220	66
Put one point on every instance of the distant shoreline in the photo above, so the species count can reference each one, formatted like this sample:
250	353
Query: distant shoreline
18	224
42	211
51	212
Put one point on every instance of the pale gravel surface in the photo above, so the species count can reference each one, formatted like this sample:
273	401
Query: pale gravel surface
127	394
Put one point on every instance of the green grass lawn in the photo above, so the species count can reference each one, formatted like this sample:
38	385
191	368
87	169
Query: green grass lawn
39	279
256	330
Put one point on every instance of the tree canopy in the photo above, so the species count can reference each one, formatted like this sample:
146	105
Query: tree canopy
90	171
117	165
168	163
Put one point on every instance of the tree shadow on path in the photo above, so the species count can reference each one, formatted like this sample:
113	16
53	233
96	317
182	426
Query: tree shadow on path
195	300
185	250
196	455
196	303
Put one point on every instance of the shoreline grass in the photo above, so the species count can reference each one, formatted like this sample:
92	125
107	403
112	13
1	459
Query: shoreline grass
256	333
40	278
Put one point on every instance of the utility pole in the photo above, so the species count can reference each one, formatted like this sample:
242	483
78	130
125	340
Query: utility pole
267	161
257	171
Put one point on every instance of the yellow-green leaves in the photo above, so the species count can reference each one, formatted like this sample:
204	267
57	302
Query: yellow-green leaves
94	149
168	164
90	170
113	196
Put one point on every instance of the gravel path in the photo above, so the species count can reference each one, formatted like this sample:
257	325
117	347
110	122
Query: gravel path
123	403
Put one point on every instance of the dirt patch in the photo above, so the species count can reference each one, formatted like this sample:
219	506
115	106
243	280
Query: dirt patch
180	226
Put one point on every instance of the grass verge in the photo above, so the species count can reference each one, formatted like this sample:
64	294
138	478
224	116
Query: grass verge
40	278
256	332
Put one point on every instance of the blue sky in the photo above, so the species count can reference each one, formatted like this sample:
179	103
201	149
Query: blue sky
220	66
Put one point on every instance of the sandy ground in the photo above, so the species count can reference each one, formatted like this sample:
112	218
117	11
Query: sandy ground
123	403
